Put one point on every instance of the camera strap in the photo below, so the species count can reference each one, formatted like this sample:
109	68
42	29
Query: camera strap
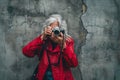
61	48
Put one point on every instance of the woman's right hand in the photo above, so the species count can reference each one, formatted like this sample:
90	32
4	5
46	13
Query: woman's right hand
47	32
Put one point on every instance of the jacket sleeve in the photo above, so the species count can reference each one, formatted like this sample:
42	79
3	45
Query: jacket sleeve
33	47
69	54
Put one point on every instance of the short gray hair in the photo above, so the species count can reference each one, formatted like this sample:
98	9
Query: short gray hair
53	18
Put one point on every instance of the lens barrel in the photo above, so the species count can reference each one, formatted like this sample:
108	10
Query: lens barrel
57	30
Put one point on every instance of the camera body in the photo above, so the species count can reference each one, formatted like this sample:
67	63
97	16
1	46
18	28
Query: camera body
57	30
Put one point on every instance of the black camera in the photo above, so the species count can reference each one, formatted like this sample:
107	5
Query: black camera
57	30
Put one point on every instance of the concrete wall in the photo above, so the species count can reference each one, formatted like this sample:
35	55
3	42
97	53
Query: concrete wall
96	35
101	53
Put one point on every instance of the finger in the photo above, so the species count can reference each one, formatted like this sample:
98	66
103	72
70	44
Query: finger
61	34
68	39
45	30
49	27
52	34
49	31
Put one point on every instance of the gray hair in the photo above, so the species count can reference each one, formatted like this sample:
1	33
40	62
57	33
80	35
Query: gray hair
53	18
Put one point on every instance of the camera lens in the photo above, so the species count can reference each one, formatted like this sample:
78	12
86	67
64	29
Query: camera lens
56	31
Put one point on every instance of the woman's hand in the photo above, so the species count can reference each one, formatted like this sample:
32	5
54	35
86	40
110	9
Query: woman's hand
60	39
47	32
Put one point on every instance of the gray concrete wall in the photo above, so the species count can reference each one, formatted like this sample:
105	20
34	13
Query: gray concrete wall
101	53
96	35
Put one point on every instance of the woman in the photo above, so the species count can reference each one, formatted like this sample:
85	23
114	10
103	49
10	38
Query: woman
58	53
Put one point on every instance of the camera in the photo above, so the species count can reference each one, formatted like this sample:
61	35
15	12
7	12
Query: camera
57	30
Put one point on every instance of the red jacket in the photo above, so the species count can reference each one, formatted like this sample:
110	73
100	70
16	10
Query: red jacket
59	72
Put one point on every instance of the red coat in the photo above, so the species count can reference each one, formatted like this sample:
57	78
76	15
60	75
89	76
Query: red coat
61	71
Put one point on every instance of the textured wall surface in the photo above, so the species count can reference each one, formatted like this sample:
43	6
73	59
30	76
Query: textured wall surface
101	53
96	43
